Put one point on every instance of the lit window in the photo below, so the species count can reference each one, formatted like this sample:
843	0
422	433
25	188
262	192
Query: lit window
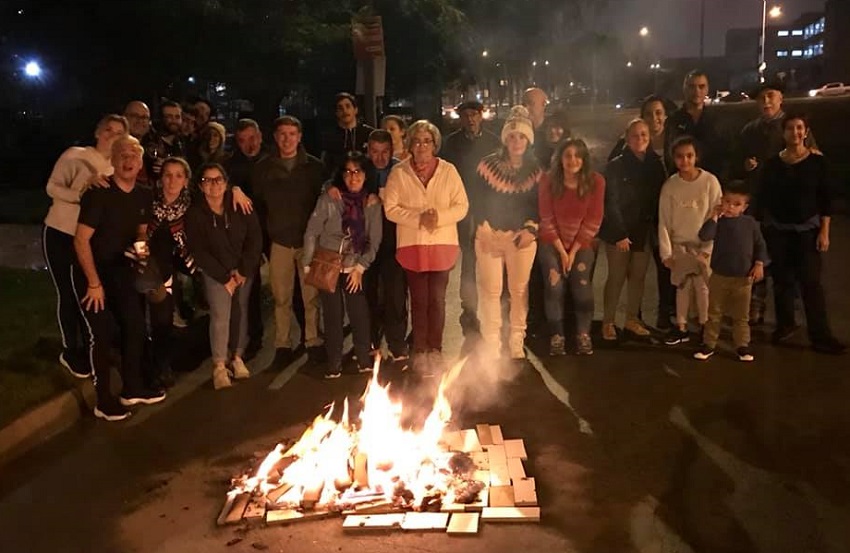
797	32
782	53
796	53
782	33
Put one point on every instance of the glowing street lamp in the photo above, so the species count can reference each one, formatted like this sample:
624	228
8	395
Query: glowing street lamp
774	12
32	70
485	53
644	31
628	64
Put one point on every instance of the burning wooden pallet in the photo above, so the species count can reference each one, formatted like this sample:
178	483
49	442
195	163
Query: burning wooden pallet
380	475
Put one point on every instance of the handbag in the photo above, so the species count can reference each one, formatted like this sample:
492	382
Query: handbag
324	269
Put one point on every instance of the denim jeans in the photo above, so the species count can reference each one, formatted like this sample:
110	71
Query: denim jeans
334	306
581	288
228	318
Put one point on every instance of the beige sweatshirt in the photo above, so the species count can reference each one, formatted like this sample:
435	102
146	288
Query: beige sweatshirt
70	178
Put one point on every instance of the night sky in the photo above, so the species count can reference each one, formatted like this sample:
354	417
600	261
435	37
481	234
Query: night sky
674	24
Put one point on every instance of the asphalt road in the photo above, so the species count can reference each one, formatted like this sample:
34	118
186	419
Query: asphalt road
637	448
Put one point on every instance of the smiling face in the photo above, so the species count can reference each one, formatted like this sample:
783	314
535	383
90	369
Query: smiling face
107	135
795	131
202	113
139	116
655	116
422	146
215	141
287	138
127	162
213	185
353	177
637	137
173	178
770	102
379	153
172	119
571	161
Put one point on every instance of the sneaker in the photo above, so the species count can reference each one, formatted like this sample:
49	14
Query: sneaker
609	332
333	373
516	345
177	320
74	367
142	397
783	333
676	336
584	345
744	354
704	352
111	411
221	378
317	354
240	371
634	326
557	346
829	346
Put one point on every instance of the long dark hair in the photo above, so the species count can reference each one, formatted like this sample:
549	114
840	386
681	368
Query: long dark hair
354	157
586	182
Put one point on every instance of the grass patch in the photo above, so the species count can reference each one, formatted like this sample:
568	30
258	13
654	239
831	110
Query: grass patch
30	343
23	206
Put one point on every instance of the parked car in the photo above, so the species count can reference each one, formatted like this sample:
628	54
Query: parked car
830	89
731	97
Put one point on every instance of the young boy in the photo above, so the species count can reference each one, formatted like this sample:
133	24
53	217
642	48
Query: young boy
687	201
737	262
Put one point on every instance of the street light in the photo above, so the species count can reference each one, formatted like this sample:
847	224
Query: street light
484	54
775	11
628	64
644	31
32	70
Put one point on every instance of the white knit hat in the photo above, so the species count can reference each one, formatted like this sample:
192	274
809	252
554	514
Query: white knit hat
219	128
518	121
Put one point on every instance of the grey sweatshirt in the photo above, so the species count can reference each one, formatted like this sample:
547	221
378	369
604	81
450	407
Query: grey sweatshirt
324	229
683	208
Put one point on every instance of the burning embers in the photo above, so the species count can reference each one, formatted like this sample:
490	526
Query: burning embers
383	476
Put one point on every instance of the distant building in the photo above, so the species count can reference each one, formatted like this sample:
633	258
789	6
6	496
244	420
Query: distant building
836	44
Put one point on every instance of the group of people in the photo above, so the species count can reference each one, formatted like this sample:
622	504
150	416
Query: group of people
525	210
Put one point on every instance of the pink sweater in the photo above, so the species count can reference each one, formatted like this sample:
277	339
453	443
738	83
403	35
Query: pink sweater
570	218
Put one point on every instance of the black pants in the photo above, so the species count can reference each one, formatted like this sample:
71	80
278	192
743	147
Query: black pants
255	309
60	257
124	311
795	261
666	290
161	336
386	292
333	307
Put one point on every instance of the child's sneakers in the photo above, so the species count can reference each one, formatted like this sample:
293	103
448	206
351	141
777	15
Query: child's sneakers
676	336
704	352
744	354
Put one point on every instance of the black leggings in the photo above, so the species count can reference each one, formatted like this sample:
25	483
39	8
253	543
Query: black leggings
60	257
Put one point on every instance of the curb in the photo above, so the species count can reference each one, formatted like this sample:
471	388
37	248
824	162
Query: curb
44	421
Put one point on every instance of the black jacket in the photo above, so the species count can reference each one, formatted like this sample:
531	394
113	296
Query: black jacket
337	142
285	199
713	148
222	243
239	168
464	153
632	188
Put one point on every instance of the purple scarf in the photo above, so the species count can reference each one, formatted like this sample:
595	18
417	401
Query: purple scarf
354	219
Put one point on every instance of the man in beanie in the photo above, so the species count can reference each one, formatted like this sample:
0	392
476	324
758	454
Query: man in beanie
505	213
464	148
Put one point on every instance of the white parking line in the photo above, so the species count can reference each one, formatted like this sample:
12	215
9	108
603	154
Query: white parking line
560	393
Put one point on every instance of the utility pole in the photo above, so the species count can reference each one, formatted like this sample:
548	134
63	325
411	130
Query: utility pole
702	30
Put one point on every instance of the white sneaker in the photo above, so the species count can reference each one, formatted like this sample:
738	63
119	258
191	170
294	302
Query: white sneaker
177	321
221	378
516	346
240	371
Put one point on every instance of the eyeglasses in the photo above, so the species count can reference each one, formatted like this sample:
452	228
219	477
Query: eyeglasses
350	173
426	142
213	180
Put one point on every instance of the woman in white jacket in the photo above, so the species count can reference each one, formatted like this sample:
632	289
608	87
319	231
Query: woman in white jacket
425	197
76	170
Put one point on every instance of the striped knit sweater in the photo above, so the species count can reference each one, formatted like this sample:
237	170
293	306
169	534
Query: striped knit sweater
570	218
505	197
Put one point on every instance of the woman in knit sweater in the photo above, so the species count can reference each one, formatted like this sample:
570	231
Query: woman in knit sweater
76	170
571	200
425	197
505	213
794	203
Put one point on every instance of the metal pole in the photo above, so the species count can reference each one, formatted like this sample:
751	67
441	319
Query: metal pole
702	30
761	41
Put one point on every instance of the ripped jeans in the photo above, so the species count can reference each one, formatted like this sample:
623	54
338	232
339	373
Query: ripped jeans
581	288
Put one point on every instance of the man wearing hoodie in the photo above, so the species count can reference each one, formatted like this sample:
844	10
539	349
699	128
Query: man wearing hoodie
286	185
347	135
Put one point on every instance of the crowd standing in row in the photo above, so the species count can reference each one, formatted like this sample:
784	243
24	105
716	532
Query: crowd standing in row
525	210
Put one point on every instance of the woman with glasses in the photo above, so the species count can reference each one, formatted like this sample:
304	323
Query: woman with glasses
351	225
425	197
226	245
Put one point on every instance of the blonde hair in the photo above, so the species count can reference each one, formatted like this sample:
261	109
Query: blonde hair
127	140
112	118
423	125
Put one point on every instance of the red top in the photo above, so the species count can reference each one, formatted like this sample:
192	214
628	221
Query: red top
570	218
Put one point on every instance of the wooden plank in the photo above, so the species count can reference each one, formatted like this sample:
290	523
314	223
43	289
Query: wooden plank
499	475
515	469
425	521
485	438
469	441
238	508
225	509
496	434
482	476
289	516
361	474
501	496
463	524
511	514
255	510
377	507
278	492
483	501
525	493
367	523
496	455
452	440
481	459
515	448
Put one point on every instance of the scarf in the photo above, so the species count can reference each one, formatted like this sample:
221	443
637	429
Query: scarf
172	215
354	218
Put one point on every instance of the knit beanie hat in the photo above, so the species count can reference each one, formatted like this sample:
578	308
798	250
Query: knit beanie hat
219	128
518	121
